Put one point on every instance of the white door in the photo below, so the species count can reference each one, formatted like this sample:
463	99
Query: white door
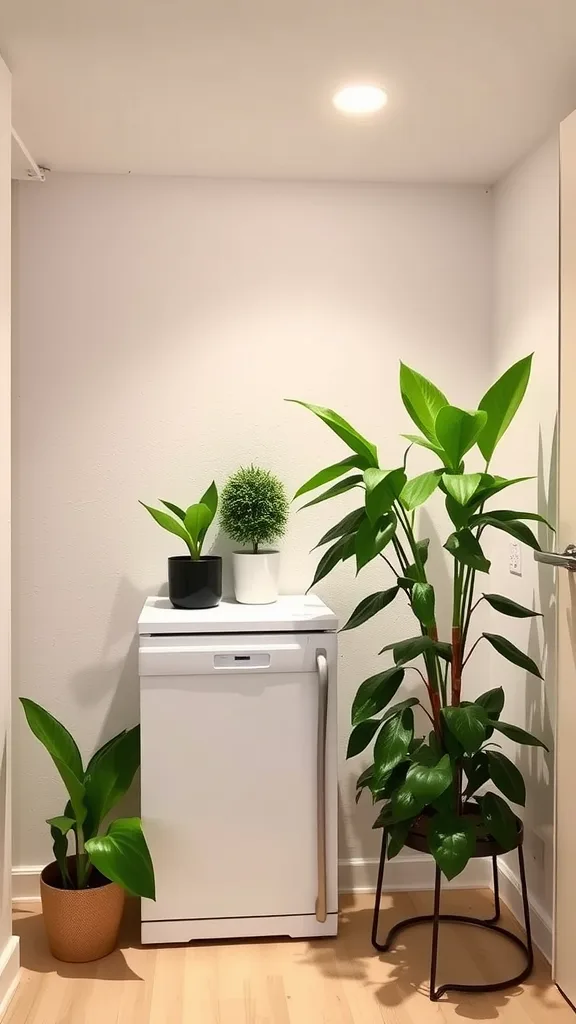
565	902
229	775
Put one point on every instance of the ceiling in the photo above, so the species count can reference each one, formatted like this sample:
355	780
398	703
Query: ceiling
243	87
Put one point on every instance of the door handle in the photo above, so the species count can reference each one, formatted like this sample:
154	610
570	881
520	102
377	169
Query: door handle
566	560
322	666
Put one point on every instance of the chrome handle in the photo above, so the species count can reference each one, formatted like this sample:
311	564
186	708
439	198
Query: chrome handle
567	560
322	666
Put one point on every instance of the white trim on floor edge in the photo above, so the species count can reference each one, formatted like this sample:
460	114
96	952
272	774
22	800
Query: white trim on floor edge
540	920
9	972
26	883
408	872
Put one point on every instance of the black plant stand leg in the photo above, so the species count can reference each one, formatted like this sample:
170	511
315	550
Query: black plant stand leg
437	917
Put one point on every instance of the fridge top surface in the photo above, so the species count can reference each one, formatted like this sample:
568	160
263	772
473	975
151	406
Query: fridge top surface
290	614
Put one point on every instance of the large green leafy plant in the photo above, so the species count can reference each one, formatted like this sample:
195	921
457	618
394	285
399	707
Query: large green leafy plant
190	524
121	853
439	779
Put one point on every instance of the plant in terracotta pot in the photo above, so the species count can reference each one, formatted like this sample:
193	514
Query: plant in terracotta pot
83	893
254	512
194	580
434	785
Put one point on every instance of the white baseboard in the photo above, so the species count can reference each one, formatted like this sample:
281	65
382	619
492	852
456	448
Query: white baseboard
9	972
26	883
540	920
407	872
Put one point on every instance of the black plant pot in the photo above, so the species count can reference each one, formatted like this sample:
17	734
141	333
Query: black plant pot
195	583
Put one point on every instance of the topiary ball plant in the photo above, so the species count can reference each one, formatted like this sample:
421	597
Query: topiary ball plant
254	507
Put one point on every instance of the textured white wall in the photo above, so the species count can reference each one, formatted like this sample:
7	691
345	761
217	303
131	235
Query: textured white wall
160	323
526	320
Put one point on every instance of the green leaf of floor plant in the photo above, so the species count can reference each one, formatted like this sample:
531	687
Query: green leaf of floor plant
393	741
492	701
506	776
405	805
344	430
122	855
509	515
342	549
465	548
372	538
63	750
491	486
369	607
427	782
517	530
508	607
457	431
461	486
468	724
375	693
501	403
500	820
333	492
452	842
348	525
512	653
361	735
397	836
415	492
422	400
111	777
477	774
383	488
424	603
324	476
517	735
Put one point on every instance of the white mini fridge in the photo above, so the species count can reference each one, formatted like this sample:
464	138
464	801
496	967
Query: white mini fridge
239	774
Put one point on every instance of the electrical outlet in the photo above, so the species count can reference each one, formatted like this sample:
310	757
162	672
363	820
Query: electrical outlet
515	558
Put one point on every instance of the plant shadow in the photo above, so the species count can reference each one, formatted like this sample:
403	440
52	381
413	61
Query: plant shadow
35	955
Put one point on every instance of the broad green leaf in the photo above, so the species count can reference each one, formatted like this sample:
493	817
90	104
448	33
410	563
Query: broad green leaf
425	443
361	735
423	547
324	476
506	776
457	431
370	606
415	492
383	488
169	523
492	485
508	515
102	750
512	653
375	693
110	777
61	823
197	521
122	855
349	524
333	492
492	701
397	836
425	755
452	842
508	607
518	735
210	500
406	650
372	538
345	431
423	603
422	400
459	514
339	552
468	724
466	549
501	402
518	530
404	804
476	769
461	486
427	782
59	833
383	785
62	749
500	820
365	777
393	741
179	512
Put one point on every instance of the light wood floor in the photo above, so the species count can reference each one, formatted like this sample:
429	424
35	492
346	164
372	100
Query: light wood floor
340	981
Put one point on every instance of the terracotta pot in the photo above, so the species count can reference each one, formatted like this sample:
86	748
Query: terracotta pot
81	924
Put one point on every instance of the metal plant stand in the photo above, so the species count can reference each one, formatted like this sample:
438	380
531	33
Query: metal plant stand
485	848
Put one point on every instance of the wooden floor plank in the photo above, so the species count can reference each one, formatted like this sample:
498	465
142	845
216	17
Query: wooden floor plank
333	981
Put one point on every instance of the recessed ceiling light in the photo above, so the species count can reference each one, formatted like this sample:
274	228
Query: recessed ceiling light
360	99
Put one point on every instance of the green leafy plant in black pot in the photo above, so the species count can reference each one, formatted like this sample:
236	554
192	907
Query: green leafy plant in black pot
83	893
194	580
254	512
435	784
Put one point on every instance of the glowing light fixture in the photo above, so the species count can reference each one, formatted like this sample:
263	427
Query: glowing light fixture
360	99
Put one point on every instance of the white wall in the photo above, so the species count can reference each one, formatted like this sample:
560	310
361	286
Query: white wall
526	320
160	324
8	944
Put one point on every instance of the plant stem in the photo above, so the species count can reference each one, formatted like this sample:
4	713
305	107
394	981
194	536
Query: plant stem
471	651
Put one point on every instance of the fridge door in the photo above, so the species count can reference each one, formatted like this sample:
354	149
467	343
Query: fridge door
233	775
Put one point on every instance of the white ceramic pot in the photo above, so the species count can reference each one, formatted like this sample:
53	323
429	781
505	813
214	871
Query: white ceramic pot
256	576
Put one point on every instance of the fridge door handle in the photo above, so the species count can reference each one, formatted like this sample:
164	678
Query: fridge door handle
322	667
